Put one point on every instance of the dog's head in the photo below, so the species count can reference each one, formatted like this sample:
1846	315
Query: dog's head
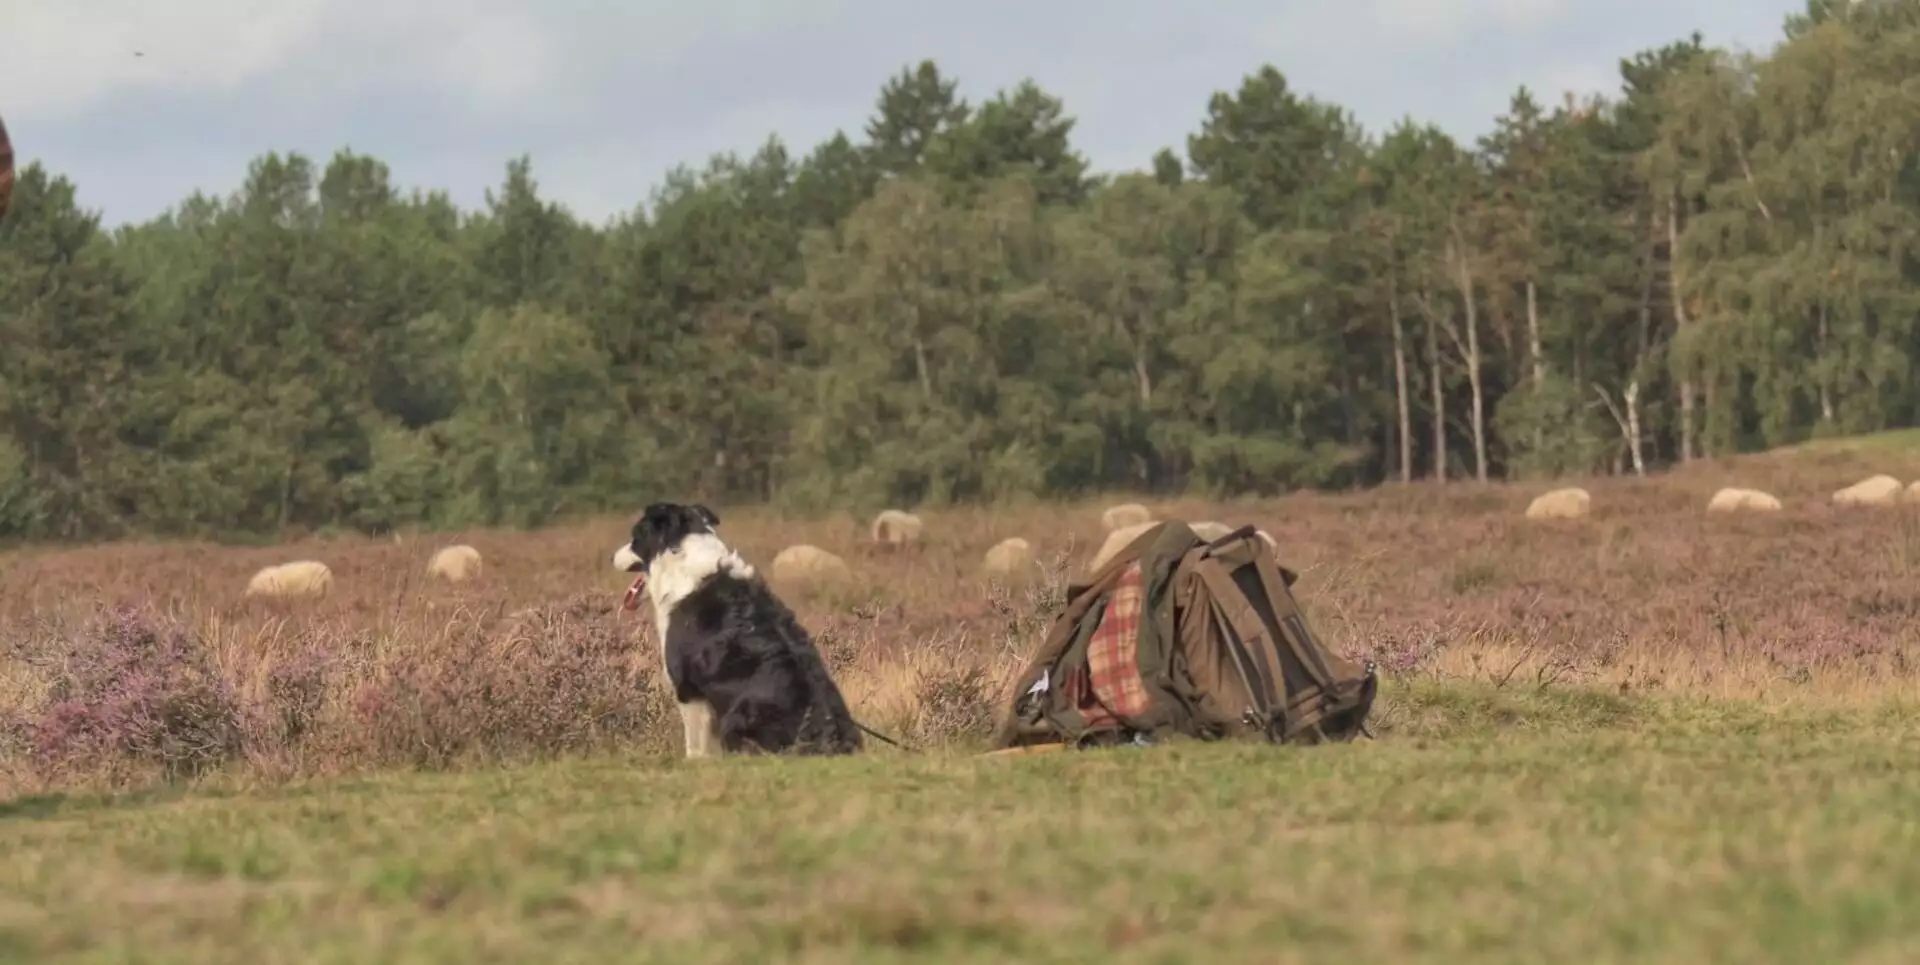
659	531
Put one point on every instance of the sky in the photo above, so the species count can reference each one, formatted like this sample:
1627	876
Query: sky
141	103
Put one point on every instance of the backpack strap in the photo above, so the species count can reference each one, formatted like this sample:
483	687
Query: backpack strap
1242	633
1069	630
1300	704
1061	635
1337	697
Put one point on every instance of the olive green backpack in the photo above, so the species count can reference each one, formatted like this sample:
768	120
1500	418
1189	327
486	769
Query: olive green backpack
1178	636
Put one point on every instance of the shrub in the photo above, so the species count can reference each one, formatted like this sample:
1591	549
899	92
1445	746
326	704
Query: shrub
129	688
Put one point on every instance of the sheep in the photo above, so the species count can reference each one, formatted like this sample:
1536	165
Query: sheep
1913	493
1117	541
1731	500
299	578
1209	530
803	563
455	564
895	528
1119	538
1880	490
1570	503
1125	515
1009	557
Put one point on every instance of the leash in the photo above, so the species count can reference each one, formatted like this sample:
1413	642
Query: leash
884	738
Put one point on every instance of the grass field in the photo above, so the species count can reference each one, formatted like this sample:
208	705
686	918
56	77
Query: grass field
1648	735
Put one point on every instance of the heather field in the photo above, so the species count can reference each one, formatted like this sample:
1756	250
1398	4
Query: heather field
1653	734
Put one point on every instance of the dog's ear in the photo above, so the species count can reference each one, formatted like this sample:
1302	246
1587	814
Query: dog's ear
706	515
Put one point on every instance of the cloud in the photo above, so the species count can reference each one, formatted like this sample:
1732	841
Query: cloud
1436	22
1380	27
63	59
607	98
484	57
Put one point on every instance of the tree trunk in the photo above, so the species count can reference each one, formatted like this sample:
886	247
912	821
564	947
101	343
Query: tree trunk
1533	337
1439	403
1464	279
1643	347
1689	442
1820	367
1140	375
1348	409
1629	423
286	493
1707	395
1538	355
1400	386
920	366
1635	445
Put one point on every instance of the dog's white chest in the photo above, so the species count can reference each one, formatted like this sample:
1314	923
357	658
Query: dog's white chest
662	616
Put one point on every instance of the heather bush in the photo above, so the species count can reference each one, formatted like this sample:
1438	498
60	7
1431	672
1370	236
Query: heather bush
548	680
127	690
289	706
131	695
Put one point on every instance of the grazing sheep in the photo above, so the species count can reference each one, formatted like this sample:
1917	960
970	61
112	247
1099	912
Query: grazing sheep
1209	530
1570	503
1732	500
1117	541
896	528
455	564
299	578
802	563
1009	557
1125	515
1913	493
1119	538
1881	490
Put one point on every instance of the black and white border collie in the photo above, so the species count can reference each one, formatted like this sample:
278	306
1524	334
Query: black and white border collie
745	673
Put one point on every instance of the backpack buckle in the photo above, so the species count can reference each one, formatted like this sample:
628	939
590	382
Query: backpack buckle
1272	728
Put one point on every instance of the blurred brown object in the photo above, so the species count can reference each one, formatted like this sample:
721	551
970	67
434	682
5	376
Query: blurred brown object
6	169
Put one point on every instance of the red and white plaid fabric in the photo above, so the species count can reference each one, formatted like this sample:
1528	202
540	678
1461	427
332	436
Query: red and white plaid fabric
1112	688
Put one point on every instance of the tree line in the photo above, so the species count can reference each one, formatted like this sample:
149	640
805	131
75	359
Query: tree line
950	307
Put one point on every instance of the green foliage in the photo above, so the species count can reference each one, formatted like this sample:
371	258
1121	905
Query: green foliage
951	306
1554	430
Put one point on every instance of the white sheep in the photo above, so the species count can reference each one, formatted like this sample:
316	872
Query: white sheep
1117	541
299	578
1880	490
1733	499
894	527
1125	515
804	563
1569	503
1009	557
455	564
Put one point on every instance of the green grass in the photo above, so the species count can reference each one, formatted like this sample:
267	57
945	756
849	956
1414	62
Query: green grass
1485	826
1892	442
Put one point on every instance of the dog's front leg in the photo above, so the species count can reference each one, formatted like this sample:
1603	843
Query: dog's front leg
696	718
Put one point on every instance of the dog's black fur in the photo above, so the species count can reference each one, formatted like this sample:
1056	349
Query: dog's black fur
732	643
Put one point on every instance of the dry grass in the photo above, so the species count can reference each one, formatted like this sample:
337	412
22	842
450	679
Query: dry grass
128	662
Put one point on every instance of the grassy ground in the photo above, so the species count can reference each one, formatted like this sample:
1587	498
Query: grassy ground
1652	734
1492	826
